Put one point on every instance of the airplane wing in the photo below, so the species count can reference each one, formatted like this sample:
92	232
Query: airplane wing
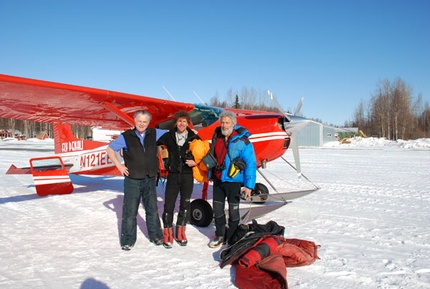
44	101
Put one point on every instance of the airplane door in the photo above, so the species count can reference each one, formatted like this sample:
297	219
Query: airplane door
50	176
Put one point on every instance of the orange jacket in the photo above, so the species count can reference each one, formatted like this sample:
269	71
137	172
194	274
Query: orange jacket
199	148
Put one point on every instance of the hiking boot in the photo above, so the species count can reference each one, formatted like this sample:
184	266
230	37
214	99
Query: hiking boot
157	241
126	247
217	242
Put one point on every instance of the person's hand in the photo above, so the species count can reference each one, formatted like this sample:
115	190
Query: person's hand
123	169
190	163
247	192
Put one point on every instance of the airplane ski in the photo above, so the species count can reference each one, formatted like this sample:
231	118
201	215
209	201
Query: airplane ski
280	197
251	212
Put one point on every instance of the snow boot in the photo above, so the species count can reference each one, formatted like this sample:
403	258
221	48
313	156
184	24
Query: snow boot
181	238
181	224
168	230
168	238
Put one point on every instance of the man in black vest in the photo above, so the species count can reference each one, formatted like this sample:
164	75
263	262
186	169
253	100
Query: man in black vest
140	170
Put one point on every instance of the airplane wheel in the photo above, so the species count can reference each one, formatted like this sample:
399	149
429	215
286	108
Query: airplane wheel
260	189
201	213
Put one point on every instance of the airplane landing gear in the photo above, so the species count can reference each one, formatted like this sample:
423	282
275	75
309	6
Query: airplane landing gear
201	214
259	189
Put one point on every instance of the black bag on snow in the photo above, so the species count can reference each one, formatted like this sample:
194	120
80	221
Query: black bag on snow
270	227
244	239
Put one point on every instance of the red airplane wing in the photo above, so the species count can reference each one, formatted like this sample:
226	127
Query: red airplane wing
44	101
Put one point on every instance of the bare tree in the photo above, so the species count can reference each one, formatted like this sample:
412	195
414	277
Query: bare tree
230	97
215	101
380	113
393	113
360	119
401	107
248	98
425	120
11	125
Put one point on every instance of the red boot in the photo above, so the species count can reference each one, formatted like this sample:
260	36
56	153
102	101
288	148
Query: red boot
181	238
168	238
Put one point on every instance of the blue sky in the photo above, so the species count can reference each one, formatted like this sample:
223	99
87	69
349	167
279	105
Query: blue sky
331	53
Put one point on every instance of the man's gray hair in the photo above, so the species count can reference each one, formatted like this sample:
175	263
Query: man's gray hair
229	114
144	112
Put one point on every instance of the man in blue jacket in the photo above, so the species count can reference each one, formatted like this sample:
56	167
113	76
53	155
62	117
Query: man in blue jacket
235	174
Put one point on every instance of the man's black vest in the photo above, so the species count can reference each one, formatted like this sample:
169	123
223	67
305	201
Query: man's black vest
141	161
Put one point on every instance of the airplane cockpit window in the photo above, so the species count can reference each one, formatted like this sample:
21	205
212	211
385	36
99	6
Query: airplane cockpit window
46	165
203	116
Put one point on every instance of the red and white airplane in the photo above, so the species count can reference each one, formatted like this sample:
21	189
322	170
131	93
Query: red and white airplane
65	105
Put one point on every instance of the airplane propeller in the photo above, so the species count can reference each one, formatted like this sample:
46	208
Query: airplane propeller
292	124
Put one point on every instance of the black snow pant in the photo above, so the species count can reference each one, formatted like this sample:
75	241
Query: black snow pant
221	192
177	183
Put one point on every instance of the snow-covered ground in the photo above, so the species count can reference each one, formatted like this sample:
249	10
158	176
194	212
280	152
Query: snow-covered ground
371	218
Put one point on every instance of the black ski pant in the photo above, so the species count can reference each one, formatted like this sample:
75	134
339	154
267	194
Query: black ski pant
221	192
177	183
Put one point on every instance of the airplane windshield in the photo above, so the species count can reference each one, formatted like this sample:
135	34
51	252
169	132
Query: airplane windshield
203	116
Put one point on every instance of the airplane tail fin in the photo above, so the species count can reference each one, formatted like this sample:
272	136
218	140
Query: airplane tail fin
65	141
